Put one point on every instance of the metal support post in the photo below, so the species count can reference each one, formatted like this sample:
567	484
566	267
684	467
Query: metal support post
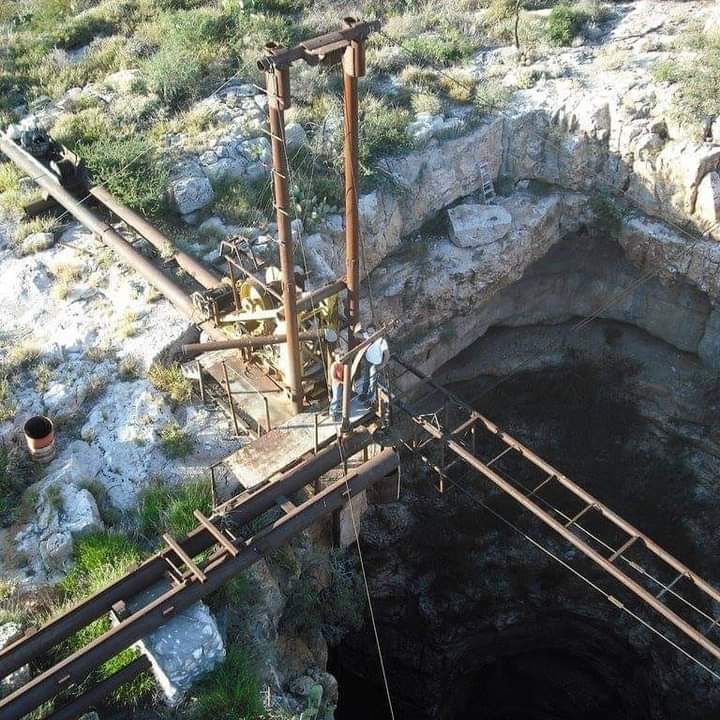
278	91
353	68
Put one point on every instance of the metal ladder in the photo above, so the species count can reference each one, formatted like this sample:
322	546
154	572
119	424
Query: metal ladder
488	189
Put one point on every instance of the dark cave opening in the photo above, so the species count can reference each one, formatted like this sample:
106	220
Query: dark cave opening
468	633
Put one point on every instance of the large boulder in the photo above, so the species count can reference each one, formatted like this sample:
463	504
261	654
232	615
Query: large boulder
707	204
478	225
190	188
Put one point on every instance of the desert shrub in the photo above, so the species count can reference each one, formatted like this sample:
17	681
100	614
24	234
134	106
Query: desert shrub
171	380
11	484
174	73
85	127
7	405
427	103
10	176
54	73
66	277
130	169
447	48
41	223
697	95
232	691
383	131
175	442
490	96
242	202
565	23
129	367
20	356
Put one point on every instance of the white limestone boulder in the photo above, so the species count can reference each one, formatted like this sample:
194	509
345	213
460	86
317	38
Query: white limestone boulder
190	188
478	225
707	204
295	136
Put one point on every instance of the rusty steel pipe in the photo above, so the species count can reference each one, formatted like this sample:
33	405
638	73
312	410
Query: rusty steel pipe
76	667
47	181
278	91
192	266
239	509
352	69
249	341
92	697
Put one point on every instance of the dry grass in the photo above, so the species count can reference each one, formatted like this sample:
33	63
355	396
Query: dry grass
170	380
66	277
128	325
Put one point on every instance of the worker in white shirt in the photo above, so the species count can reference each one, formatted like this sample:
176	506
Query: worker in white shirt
374	357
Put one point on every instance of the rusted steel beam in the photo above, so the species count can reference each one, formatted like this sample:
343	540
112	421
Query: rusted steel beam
76	667
318	49
160	242
247	341
48	182
186	559
240	510
74	709
647	597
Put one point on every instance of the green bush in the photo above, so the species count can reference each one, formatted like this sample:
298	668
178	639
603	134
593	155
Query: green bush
100	558
447	48
231	692
667	71
383	131
169	508
130	169
344	601
174	442
608	219
565	23
85	127
174	73
242	203
11	485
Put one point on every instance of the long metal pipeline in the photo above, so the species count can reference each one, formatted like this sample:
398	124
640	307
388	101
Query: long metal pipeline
47	181
191	265
247	341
